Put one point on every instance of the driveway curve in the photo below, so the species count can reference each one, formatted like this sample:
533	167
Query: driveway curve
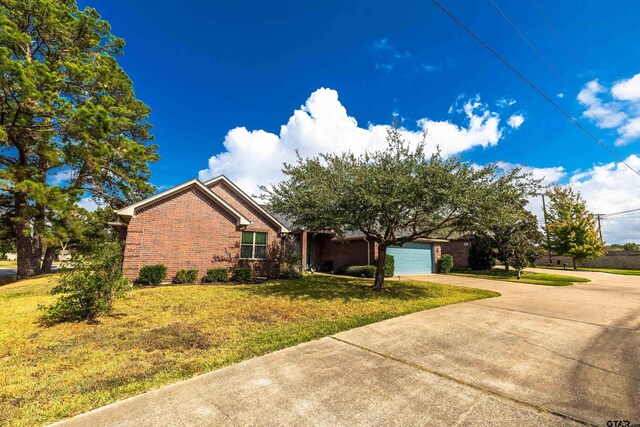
537	355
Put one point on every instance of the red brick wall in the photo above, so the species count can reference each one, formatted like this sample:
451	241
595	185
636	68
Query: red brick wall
188	230
459	250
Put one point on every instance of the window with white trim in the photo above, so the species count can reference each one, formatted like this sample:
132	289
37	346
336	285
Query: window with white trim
253	245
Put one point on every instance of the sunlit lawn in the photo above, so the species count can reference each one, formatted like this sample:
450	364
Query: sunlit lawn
529	277
164	334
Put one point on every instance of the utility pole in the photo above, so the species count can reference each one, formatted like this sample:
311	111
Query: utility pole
598	217
546	230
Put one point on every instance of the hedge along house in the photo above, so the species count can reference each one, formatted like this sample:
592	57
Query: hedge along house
212	224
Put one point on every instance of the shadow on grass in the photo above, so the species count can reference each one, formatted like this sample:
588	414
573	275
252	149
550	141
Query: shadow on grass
322	287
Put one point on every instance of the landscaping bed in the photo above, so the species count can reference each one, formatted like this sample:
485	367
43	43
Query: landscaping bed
529	277
160	335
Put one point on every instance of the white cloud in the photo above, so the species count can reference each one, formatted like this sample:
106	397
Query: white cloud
560	95
627	90
61	177
322	125
605	114
505	102
516	121
606	188
548	176
88	203
611	114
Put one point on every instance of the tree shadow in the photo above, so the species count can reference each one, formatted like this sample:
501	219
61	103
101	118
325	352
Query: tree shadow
323	287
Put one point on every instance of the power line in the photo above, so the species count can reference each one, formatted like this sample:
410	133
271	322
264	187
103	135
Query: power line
577	60
568	86
622	212
534	87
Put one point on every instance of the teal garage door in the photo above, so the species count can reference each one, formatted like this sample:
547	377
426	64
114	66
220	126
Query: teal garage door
412	258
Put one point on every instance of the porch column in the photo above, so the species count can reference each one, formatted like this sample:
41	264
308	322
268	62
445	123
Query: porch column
303	245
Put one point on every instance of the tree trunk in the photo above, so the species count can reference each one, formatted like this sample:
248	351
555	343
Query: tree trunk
518	271
506	267
382	256
28	251
47	262
575	267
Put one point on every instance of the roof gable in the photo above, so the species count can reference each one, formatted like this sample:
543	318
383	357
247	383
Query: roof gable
128	212
248	199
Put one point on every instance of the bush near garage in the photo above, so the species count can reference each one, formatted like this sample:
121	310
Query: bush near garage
445	264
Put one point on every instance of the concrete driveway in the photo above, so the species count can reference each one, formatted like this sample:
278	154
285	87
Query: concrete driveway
535	356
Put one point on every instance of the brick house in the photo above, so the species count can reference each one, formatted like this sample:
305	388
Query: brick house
203	225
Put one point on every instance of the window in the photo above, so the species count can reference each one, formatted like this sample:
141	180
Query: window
253	245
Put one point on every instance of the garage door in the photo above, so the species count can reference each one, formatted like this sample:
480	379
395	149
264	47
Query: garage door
412	258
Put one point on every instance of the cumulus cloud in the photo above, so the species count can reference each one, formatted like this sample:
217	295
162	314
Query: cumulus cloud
627	90
619	109
547	176
322	125
560	95
516	121
607	188
605	114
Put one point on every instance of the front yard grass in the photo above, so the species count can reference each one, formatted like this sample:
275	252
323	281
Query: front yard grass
160	335
545	279
600	270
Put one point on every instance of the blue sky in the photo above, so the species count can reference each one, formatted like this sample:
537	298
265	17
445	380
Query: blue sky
206	68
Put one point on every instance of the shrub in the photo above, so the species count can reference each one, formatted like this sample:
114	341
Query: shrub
217	275
89	289
445	264
186	276
243	274
361	271
341	269
481	254
152	274
286	272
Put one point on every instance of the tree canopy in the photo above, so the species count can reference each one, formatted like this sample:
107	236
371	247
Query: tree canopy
571	227
396	195
70	123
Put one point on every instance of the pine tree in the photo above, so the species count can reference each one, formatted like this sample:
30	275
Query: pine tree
69	121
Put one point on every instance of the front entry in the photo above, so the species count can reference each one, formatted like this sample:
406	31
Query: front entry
412	258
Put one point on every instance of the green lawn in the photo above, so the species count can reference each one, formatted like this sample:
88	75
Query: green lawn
161	335
545	279
601	270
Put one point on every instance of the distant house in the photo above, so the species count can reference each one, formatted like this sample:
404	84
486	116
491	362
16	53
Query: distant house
202	225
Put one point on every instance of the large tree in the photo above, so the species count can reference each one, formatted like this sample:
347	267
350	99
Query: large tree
70	123
396	195
571	227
